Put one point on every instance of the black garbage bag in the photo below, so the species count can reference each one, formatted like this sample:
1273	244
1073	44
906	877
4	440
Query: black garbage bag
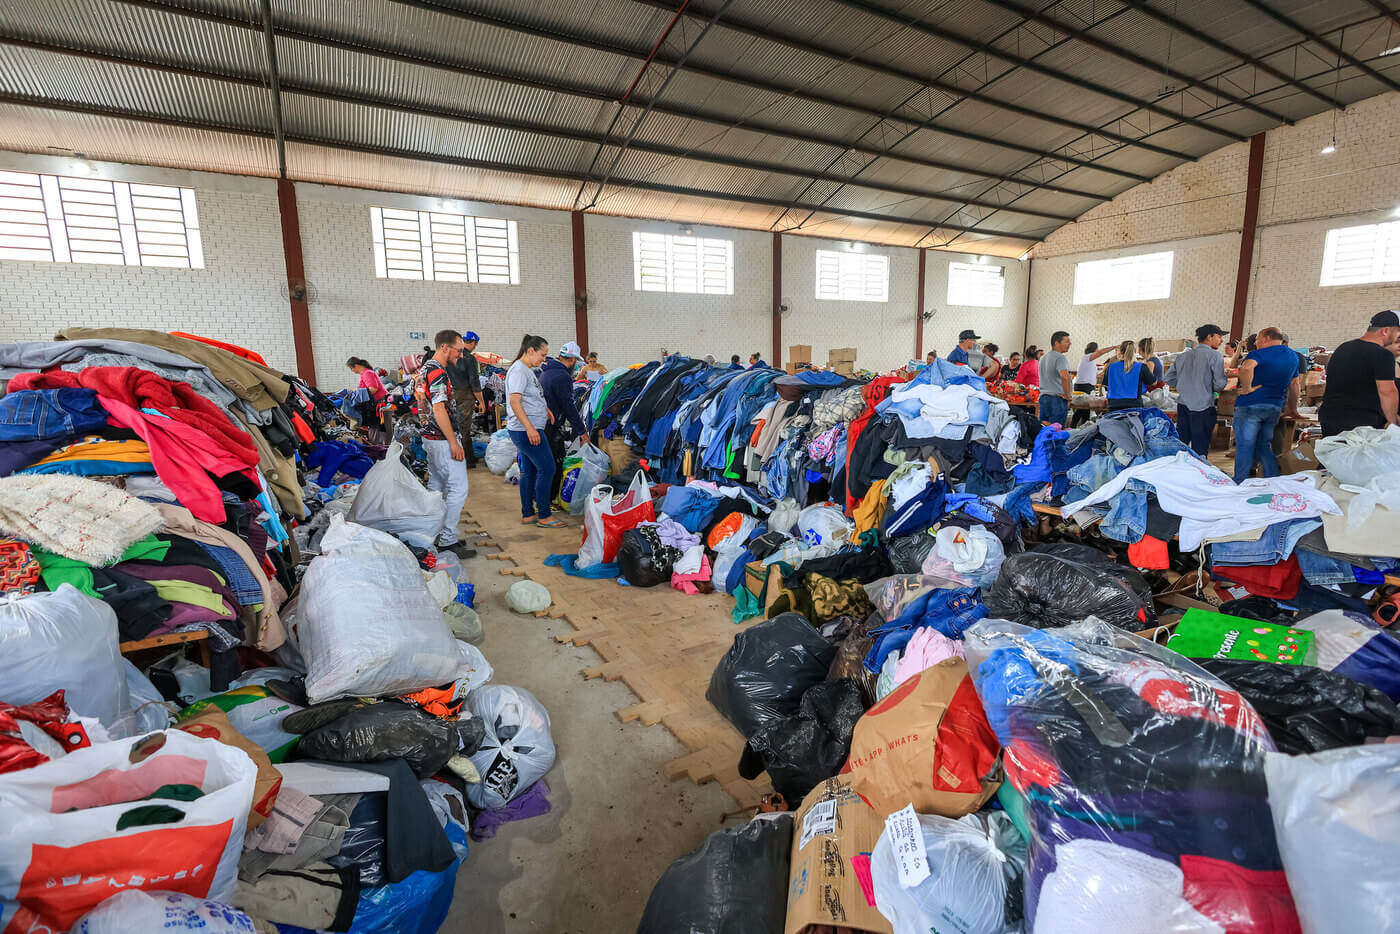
363	846
804	750
1307	709
735	883
767	670
1056	585
1260	608
643	560
391	730
907	552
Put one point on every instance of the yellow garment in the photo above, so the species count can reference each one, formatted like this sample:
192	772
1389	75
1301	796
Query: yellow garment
96	448
871	510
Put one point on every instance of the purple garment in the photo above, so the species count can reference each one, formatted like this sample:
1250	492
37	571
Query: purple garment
674	534
532	803
148	571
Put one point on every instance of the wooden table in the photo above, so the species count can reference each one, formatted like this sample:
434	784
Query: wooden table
198	636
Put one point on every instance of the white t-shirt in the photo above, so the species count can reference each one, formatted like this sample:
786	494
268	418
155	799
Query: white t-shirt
1088	371
520	378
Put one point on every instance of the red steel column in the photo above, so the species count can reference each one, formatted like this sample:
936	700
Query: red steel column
580	283
296	280
919	307
777	300
1247	231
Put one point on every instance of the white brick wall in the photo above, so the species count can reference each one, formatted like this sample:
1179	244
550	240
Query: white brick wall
357	314
1203	291
235	297
881	332
627	326
1004	326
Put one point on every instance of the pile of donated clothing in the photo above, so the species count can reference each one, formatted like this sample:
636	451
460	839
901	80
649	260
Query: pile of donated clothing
321	767
1173	709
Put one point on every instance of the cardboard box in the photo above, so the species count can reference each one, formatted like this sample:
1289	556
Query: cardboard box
844	368
800	353
1182	595
832	826
841	354
1169	344
1299	458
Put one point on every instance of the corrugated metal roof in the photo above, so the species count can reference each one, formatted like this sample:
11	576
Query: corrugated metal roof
532	84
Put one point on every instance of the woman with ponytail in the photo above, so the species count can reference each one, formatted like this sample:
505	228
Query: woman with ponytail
529	414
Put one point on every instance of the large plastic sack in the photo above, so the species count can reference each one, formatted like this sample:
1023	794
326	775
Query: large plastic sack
1144	777
367	625
517	750
606	516
1355	456
593	468
66	640
500	452
1057	585
639	563
974	553
528	597
416	905
1307	709
391	730
767	670
735	883
975	863
1337	815
1353	645
392	500
149	711
822	525
801	751
135	910
61	853
783	518
908	552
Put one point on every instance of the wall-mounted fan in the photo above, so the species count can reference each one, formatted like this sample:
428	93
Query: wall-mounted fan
784	306
299	290
929	313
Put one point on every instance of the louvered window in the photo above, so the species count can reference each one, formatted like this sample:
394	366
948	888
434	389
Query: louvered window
1141	278
852	277
439	246
976	285
1356	255
674	263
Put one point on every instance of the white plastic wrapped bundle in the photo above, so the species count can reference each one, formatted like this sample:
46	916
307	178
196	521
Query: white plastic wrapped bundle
518	749
391	499
500	452
367	625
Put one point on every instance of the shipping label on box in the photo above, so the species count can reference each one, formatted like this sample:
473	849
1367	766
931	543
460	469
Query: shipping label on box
834	835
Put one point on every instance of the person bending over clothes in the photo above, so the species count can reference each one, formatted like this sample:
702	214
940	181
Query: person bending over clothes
528	414
368	380
447	467
1268	390
1125	378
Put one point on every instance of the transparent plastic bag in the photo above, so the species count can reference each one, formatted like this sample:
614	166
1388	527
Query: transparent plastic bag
1355	456
823	525
518	749
528	597
1337	814
367	624
64	639
974	553
391	499
594	467
974	884
783	518
1145	778
136	910
500	452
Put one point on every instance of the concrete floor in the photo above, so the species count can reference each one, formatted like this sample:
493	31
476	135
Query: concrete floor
588	866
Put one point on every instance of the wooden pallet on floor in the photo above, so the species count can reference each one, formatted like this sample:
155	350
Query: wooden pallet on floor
661	643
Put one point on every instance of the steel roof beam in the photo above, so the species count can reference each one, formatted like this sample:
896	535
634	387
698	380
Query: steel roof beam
673	110
938	32
1146	9
44	103
767	86
1334	48
1102	45
458	116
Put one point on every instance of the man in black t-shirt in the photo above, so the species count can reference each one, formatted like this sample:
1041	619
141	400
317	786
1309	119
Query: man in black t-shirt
1361	380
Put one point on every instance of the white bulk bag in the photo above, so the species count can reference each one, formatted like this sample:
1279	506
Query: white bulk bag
823	525
1355	456
367	625
500	452
61	853
392	500
518	749
64	639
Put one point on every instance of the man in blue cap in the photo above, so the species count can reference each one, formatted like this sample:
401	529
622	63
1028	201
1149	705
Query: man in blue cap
466	388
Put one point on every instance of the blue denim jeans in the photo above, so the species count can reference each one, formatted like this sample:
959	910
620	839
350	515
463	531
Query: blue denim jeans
1275	544
1055	410
33	414
536	474
1254	438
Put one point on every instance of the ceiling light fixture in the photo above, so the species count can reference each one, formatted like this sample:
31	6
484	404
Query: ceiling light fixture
687	230
1390	51
1395	213
1330	147
83	168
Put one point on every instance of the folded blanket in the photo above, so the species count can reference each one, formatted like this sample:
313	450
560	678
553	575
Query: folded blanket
74	516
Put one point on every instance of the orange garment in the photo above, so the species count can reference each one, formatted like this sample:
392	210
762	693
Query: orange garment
871	510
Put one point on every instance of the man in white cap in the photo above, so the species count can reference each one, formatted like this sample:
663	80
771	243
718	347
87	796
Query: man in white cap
557	384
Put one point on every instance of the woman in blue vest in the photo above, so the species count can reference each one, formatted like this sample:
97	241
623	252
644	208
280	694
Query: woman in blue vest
1125	378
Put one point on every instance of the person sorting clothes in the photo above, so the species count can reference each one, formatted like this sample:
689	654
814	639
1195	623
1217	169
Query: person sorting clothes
447	468
1125	377
557	382
1360	380
529	414
966	341
1197	375
1268	390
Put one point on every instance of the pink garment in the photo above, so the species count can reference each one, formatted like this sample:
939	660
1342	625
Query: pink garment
927	648
685	583
370	380
1029	373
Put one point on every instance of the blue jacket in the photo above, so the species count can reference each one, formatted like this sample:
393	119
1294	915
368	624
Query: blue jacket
557	383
